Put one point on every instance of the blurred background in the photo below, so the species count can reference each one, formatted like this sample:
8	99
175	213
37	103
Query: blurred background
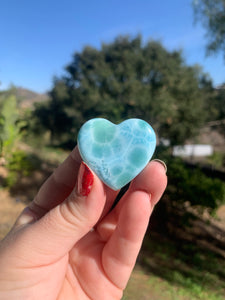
64	62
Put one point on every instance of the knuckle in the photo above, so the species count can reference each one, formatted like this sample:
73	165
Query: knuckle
72	213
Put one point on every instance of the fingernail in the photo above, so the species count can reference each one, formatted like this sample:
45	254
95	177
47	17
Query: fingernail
26	217
162	163
85	180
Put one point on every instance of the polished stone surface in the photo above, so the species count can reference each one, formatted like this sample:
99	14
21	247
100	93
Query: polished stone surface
116	153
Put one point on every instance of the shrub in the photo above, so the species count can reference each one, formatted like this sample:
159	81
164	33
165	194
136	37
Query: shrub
18	164
186	184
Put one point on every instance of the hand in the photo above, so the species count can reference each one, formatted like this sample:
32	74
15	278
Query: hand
67	244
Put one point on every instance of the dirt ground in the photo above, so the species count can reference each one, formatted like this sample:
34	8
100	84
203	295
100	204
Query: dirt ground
10	209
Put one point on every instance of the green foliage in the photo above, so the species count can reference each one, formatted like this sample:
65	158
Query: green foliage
19	164
171	269
53	117
217	159
10	125
219	106
214	102
126	79
220	102
193	185
211	13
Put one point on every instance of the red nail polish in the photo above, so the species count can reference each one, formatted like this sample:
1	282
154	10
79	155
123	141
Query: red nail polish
85	180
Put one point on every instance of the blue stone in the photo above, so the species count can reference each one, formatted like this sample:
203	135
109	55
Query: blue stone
116	153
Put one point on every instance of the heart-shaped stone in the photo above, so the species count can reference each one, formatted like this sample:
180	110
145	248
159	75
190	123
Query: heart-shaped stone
116	153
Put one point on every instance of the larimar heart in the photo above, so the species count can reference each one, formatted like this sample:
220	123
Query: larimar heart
116	153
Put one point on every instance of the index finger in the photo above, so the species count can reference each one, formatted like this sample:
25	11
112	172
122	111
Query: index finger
59	185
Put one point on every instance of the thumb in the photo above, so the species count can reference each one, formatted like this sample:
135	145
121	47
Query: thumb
52	236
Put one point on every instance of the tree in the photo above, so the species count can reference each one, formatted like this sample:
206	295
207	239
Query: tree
211	13
126	79
220	102
53	115
219	106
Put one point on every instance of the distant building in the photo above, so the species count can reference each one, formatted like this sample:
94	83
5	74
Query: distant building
220	87
193	150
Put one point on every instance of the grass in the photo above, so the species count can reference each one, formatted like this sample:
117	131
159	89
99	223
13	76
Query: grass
156	288
172	270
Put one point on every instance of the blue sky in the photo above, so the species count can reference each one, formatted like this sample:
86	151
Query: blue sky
38	38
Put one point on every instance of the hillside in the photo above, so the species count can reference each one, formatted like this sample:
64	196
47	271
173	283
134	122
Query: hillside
27	97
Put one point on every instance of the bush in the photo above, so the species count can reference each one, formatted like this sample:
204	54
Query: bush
19	164
217	159
193	185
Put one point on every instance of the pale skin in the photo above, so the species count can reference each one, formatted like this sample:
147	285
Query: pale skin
70	246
